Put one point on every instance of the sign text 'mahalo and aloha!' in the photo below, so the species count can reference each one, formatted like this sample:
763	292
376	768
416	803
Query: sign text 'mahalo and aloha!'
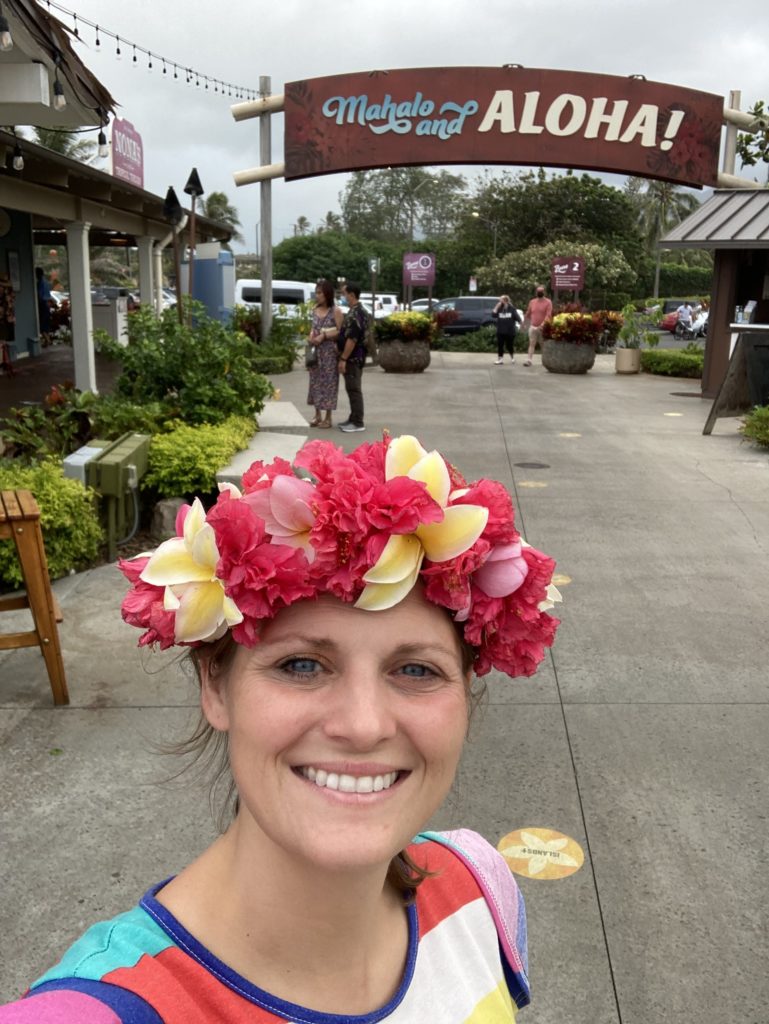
502	116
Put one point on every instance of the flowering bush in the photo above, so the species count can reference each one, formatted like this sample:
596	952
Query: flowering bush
577	328
612	324
405	327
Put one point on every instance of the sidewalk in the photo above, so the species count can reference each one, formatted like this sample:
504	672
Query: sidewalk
645	736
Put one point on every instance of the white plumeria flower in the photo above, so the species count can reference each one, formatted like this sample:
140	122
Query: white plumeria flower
397	569
186	567
553	595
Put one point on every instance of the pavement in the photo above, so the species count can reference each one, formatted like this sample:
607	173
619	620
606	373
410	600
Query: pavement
644	737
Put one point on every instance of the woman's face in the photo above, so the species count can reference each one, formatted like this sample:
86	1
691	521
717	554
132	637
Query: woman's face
320	297
345	729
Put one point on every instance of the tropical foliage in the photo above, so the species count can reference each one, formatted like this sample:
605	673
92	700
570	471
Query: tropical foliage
755	426
405	327
576	328
216	206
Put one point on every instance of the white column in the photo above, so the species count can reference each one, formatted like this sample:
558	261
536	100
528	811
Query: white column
80	302
144	245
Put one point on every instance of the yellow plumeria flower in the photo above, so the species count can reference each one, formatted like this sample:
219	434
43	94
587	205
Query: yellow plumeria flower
397	569
186	567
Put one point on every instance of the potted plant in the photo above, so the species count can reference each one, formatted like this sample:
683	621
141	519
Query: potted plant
632	335
570	341
403	342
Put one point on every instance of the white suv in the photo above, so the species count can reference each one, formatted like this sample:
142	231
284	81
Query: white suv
385	304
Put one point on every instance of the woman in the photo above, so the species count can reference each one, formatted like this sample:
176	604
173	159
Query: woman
335	619
507	318
324	376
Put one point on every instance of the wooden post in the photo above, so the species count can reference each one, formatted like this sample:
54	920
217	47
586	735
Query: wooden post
265	193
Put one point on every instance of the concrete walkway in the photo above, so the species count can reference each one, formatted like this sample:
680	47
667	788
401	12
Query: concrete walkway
645	736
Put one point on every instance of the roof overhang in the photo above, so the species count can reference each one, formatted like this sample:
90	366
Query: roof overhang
730	219
58	191
41	45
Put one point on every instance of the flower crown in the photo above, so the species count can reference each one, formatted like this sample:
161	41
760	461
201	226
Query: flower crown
364	527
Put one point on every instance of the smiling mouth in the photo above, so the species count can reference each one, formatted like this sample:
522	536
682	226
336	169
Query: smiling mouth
350	783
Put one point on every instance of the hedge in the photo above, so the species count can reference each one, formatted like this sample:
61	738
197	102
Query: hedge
69	519
185	461
672	363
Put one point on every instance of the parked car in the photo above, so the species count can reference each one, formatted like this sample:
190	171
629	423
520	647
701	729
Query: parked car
473	312
423	305
385	304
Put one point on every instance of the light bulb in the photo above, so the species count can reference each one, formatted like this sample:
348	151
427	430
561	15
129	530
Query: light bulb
103	147
18	158
6	41
59	99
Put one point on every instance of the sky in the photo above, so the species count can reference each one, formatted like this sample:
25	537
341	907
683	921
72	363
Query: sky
709	45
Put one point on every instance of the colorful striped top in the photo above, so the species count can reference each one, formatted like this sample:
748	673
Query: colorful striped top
466	961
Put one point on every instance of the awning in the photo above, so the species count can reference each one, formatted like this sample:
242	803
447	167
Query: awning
730	219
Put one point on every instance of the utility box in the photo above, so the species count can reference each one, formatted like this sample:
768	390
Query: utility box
213	279
111	315
114	469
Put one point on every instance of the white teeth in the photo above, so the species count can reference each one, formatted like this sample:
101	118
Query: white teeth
349	783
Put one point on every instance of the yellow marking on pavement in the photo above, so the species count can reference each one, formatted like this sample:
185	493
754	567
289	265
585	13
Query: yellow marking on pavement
532	483
672	414
561	579
569	434
541	853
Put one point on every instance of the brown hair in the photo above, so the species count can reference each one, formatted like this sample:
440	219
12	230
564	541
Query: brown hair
209	752
328	291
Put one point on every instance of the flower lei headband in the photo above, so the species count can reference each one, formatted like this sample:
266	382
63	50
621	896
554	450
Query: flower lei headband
364	527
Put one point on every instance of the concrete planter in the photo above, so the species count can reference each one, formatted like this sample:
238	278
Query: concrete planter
565	357
627	360
404	356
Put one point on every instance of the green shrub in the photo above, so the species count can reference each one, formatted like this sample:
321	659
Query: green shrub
69	519
756	425
112	416
55	427
482	340
270	359
405	326
185	461
203	372
672	363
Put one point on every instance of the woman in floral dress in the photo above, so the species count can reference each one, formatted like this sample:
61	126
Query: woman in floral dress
324	376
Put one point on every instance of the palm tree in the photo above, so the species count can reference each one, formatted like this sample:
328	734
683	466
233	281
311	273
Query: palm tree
302	226
661	205
66	143
216	206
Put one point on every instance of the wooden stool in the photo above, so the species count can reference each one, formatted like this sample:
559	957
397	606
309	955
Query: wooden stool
20	521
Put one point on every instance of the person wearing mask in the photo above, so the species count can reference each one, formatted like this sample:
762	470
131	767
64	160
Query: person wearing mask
507	318
538	311
352	356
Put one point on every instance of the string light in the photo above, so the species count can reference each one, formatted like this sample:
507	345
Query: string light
191	74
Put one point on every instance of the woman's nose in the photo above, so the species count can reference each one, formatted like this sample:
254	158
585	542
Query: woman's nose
360	710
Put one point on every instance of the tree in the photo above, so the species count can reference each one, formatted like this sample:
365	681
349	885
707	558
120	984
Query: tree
66	143
332	255
754	147
529	208
397	204
606	269
302	226
331	222
660	205
216	206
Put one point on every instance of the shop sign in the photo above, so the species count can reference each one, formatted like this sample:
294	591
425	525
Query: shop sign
127	153
508	115
419	269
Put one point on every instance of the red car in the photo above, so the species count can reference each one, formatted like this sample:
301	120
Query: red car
669	321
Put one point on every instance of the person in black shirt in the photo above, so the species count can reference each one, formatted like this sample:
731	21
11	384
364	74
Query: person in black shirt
352	356
507	319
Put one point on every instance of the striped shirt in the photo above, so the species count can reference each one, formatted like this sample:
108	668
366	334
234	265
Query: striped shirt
466	961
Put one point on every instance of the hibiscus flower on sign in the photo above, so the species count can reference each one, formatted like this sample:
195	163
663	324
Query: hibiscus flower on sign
541	853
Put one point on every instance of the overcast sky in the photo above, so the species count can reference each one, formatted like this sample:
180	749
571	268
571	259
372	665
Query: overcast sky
710	45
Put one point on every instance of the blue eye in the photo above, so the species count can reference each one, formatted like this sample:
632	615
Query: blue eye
301	666
416	671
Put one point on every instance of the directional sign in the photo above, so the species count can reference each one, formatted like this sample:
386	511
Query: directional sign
567	272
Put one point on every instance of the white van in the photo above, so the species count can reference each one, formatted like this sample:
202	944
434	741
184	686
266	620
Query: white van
248	292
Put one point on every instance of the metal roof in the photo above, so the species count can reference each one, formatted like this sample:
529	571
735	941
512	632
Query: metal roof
730	219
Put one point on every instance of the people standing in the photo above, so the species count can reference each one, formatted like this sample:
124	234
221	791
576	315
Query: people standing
507	319
538	311
352	356
324	376
43	305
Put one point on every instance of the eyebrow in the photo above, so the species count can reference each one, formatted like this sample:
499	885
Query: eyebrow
323	643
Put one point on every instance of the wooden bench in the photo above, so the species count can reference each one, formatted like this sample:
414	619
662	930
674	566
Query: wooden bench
20	522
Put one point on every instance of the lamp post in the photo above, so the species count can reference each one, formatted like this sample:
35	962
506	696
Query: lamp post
493	224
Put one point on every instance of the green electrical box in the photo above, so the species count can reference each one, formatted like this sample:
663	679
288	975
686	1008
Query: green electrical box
115	474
